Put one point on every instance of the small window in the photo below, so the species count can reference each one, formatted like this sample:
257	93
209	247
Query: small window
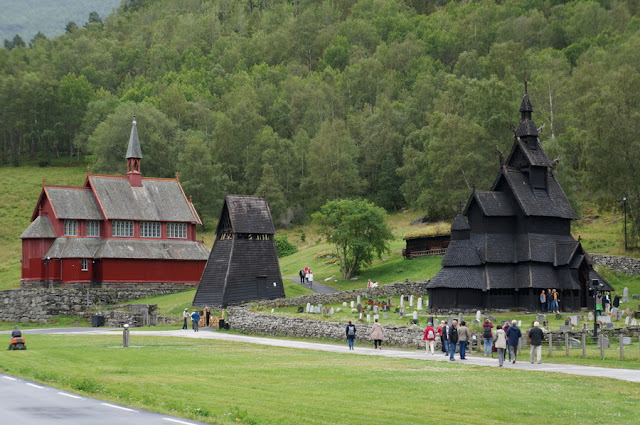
93	229
177	230
149	229
85	265
122	228
71	227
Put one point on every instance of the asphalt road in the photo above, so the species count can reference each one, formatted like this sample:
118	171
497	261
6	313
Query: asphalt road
26	402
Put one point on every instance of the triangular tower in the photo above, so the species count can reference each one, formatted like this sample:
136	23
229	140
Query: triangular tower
243	264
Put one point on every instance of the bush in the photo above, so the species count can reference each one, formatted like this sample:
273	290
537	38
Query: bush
285	247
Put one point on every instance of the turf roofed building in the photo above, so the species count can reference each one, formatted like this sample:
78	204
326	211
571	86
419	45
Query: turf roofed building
514	240
243	265
114	231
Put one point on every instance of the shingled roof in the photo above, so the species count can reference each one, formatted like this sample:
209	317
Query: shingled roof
248	214
155	200
492	203
133	149
39	228
73	203
127	248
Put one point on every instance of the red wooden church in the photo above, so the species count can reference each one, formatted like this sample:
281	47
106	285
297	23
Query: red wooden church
114	231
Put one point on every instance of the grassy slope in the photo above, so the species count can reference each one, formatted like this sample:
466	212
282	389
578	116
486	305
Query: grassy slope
223	382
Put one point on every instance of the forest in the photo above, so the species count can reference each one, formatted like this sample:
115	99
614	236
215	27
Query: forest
404	103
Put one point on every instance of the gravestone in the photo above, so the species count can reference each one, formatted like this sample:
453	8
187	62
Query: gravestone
389	301
308	307
353	303
585	326
604	319
627	320
519	323
590	316
401	300
338	310
359	308
575	343
609	325
614	312
385	315
415	315
420	303
605	342
574	320
565	327
618	314
478	315
368	317
626	340
411	301
558	316
358	300
460	317
360	317
475	322
401	311
634	322
376	317
344	304
376	310
635	297
541	317
625	295
331	311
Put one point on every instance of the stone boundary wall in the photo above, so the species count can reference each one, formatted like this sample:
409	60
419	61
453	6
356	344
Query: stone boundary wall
242	319
617	264
401	288
39	305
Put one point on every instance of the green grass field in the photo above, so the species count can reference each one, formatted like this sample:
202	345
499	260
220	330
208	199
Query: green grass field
225	382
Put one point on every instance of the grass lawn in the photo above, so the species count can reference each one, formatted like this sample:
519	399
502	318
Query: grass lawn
226	382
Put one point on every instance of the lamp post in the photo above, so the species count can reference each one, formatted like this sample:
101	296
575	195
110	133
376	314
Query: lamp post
595	287
623	201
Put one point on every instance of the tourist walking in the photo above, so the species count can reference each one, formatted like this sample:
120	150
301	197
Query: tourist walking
536	336
606	300
195	318
376	335
513	337
307	271
351	334
549	301
505	328
543	301
430	338
443	337
464	336
185	317
301	274
501	344
556	301
598	303
452	338
487	337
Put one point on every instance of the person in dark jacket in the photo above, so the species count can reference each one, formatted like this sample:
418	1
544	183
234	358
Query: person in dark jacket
513	337
452	339
443	337
616	301
536	335
351	334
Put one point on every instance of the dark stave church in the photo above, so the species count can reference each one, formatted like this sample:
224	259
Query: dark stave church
514	240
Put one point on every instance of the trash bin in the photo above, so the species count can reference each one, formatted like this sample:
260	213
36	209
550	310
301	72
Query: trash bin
221	324
97	321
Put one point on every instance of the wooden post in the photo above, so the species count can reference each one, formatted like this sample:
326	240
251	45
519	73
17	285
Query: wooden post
584	344
621	347
601	339
550	344
566	344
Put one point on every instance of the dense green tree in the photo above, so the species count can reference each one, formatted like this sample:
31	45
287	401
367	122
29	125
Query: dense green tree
358	231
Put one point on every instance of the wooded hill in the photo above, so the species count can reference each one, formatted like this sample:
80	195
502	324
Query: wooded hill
400	102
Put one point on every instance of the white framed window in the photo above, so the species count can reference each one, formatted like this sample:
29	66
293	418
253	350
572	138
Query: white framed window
149	229
85	265
122	228
93	228
177	230
71	227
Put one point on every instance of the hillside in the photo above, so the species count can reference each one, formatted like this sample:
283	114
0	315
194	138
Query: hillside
28	17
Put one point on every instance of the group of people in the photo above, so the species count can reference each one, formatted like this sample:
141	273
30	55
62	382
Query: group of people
507	337
549	301
376	334
450	336
195	318
306	276
603	302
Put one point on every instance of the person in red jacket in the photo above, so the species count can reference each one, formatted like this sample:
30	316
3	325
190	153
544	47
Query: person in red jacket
430	338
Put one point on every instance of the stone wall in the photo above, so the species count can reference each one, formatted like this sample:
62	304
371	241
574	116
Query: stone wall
242	319
39	305
617	264
394	289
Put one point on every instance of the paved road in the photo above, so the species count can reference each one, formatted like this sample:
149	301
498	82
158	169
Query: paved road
632	375
27	402
315	286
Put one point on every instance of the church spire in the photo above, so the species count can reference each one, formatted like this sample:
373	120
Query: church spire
134	156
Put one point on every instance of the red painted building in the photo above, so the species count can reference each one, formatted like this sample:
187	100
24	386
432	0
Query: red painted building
114	230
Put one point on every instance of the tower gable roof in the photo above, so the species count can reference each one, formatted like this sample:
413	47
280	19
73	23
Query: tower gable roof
535	155
248	214
492	203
